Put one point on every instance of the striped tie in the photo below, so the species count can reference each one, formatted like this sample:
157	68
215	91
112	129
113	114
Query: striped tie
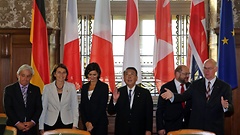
208	94
24	94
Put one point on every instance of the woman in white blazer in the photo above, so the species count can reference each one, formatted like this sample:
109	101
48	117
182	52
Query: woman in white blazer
60	103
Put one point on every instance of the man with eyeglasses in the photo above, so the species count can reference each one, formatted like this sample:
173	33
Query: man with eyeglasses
170	117
211	98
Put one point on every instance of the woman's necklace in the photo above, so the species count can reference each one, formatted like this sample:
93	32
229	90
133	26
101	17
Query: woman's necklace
59	88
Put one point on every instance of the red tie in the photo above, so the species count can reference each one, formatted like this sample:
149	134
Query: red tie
182	90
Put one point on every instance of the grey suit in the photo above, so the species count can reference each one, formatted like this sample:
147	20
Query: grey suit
52	106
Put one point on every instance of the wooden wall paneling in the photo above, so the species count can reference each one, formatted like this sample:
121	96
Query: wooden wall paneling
21	48
232	122
5	41
16	50
235	121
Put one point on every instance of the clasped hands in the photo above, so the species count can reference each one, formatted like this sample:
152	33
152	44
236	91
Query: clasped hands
25	126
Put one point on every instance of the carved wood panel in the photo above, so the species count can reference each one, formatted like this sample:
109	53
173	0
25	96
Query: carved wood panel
16	50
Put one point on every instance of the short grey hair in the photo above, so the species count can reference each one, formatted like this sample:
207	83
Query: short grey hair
25	67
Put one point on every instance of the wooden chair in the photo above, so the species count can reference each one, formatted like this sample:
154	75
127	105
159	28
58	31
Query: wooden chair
190	132
66	132
9	130
3	118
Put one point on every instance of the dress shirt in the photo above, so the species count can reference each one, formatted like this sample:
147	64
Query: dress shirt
132	94
178	86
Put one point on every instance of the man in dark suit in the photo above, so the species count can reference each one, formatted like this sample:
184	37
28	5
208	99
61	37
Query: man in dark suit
211	98
22	102
133	107
170	117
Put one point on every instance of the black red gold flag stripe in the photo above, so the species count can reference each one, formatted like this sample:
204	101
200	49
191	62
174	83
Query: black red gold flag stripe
39	40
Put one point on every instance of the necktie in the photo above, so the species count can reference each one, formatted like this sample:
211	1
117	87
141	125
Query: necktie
208	91
24	94
130	95
182	90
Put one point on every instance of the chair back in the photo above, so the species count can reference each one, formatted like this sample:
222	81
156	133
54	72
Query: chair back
190	132
66	132
3	118
9	130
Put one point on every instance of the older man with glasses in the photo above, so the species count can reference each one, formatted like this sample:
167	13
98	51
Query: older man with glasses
211	98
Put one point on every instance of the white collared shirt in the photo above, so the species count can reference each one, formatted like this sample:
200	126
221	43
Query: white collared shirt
178	86
132	94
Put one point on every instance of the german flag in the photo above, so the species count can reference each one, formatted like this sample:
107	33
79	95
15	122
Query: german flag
39	40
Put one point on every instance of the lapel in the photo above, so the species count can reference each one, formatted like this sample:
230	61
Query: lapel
54	94
173	89
95	91
29	93
215	90
187	84
84	92
19	94
124	96
137	94
202	87
65	92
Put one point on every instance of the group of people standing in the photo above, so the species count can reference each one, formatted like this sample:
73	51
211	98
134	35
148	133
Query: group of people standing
58	106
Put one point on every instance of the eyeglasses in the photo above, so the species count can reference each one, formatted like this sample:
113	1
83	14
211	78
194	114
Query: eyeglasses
186	74
208	68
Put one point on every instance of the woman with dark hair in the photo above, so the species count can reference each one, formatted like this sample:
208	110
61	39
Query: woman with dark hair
59	101
94	98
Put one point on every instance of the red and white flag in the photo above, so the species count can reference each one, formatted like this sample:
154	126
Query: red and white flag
197	41
163	60
131	56
101	51
71	45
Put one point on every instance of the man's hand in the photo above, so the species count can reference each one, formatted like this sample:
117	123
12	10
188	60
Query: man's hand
89	126
225	103
148	133
167	95
116	95
41	132
28	125
162	132
20	126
